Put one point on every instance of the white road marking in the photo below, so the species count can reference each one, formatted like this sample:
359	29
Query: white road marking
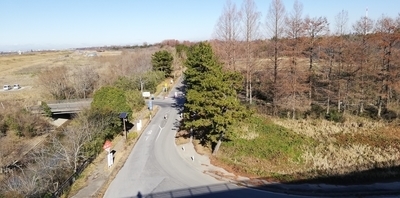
159	133
147	137
149	132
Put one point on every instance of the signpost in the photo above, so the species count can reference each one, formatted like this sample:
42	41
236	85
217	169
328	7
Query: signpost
107	146
150	105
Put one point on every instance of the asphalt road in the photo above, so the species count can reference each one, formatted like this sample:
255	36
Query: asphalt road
155	169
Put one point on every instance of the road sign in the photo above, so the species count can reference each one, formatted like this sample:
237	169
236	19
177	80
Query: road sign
107	145
146	94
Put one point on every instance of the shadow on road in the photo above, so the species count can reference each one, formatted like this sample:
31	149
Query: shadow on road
305	188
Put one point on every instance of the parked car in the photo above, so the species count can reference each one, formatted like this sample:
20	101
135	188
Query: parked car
6	87
16	86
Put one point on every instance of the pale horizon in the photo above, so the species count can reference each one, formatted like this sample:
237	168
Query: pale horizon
32	25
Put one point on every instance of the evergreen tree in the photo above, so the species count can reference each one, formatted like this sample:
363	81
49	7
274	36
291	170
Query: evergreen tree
211	106
162	61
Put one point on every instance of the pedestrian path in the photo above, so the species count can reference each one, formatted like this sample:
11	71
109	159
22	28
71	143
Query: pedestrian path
101	173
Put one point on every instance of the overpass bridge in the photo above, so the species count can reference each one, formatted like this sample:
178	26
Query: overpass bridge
65	106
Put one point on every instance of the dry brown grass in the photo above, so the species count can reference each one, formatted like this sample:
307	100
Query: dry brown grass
201	149
23	69
182	137
322	130
12	148
355	145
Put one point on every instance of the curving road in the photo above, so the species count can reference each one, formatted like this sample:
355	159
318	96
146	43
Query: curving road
155	169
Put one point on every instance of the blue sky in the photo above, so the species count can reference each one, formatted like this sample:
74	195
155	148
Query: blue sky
47	24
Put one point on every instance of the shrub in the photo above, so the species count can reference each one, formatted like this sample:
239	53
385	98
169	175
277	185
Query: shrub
335	116
149	79
135	100
132	135
46	109
3	126
111	98
316	111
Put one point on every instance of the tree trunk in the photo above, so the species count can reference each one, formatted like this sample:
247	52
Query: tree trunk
294	105
250	89
327	108
218	145
247	84
379	108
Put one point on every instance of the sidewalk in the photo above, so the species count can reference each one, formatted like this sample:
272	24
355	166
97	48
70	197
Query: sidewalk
102	175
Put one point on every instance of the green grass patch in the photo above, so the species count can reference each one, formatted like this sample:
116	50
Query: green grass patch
259	145
132	135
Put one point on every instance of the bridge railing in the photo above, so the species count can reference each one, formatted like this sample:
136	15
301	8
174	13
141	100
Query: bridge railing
69	101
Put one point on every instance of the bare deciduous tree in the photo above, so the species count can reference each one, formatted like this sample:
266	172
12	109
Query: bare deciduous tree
362	27
250	25
294	31
387	29
56	83
25	184
227	34
275	26
314	27
341	20
84	81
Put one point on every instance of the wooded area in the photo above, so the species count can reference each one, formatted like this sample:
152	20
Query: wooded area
305	68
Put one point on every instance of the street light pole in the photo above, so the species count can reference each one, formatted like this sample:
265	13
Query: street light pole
123	116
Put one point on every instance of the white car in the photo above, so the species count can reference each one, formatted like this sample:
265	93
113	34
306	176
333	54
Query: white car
16	86
6	87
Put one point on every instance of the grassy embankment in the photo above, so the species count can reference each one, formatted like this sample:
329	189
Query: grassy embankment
261	148
355	151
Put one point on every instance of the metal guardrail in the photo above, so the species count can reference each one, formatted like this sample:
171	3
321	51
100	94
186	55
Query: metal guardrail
69	101
64	106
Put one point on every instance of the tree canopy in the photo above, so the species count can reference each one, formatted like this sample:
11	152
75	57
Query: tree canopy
111	98
162	61
212	106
